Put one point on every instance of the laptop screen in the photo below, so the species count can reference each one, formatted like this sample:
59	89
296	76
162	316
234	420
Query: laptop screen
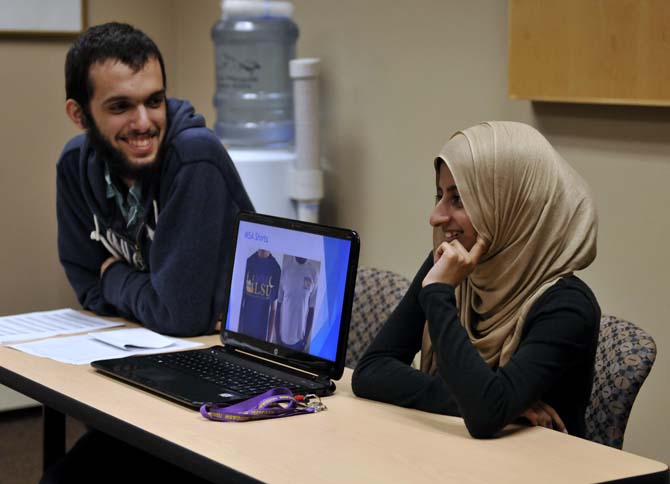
288	285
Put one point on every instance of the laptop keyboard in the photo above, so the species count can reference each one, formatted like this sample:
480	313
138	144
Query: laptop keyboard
227	374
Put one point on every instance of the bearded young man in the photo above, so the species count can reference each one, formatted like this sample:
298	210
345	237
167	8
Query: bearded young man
146	200
147	196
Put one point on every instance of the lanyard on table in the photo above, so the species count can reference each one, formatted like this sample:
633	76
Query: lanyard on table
275	403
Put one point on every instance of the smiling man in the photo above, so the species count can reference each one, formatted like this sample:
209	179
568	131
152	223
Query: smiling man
147	195
146	200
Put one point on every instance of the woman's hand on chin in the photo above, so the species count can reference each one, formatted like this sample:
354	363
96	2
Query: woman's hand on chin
453	263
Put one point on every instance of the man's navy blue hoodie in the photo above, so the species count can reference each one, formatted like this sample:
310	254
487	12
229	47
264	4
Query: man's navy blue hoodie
171	277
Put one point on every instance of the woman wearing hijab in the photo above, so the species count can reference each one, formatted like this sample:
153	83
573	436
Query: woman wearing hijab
506	330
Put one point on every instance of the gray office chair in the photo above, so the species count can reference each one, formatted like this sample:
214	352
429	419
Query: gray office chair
624	357
377	294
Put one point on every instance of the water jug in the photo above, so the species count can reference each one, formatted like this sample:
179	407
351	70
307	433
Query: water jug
254	41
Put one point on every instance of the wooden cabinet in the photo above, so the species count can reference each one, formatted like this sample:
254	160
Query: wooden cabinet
590	51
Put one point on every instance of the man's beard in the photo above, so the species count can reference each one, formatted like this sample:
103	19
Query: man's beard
119	165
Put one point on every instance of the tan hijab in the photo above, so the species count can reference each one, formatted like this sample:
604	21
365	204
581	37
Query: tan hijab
537	215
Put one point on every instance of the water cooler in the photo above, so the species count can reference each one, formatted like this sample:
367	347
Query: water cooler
268	107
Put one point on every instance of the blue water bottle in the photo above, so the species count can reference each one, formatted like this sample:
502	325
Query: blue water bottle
254	41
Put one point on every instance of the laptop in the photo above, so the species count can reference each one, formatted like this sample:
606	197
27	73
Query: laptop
285	319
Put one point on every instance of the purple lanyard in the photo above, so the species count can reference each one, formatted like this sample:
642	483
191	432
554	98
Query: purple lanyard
275	403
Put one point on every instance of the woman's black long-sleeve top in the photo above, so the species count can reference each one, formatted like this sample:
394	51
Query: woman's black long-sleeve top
553	363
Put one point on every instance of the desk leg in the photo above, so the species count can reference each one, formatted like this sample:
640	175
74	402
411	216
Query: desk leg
53	438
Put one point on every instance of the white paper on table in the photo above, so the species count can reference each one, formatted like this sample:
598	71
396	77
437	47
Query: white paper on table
130	338
44	324
83	349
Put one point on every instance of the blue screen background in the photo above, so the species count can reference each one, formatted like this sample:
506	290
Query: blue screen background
333	255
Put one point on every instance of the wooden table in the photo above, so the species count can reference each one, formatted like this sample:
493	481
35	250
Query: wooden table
355	440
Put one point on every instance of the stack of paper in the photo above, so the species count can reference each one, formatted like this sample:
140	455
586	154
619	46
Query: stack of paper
85	348
81	349
44	324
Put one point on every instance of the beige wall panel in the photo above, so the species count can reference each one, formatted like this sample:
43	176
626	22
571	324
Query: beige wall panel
195	76
154	17
33	130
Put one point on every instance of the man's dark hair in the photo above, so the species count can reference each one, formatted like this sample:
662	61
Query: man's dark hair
112	40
